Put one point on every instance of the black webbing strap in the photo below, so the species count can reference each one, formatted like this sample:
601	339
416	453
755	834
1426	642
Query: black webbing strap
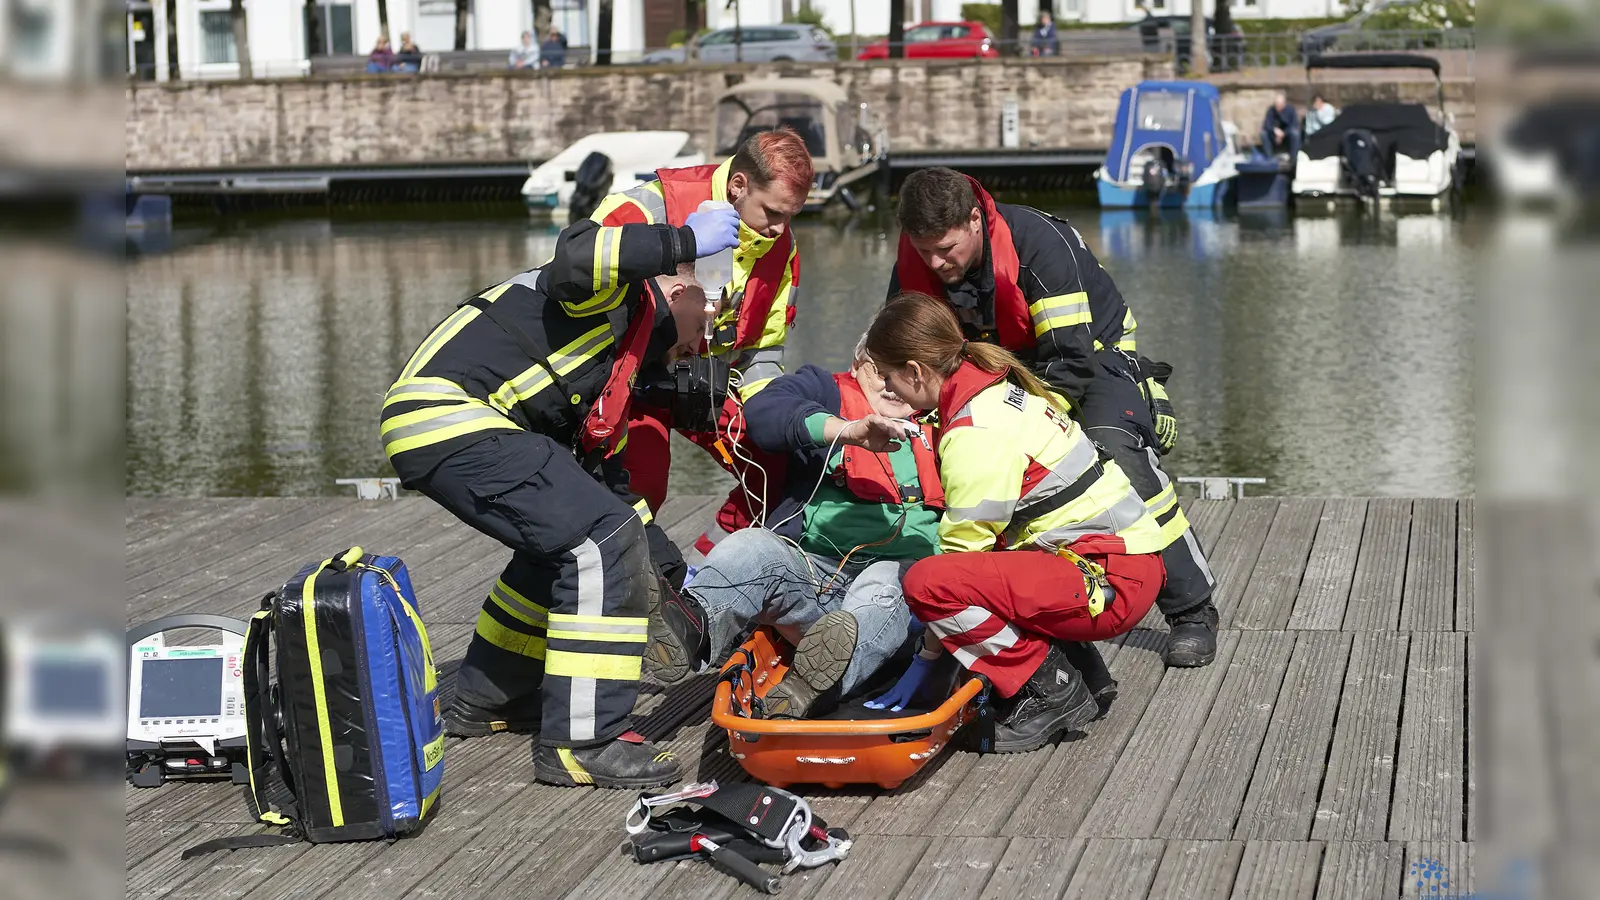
1045	507
496	314
753	807
241	842
982	736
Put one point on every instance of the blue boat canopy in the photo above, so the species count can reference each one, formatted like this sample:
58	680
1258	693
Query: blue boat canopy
1180	119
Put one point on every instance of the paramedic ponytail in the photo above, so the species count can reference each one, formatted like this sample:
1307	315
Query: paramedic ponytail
917	327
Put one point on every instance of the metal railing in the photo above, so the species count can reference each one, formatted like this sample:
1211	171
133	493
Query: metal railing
1275	54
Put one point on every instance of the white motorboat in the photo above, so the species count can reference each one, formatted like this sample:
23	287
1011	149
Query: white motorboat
631	158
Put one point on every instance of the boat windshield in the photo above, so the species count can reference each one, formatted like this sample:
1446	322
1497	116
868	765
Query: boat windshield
741	116
1161	111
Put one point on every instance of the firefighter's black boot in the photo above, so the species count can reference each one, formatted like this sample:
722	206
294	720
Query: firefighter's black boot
629	762
464	718
678	636
1193	641
1055	700
819	662
1086	658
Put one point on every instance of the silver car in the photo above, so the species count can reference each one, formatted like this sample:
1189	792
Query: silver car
761	43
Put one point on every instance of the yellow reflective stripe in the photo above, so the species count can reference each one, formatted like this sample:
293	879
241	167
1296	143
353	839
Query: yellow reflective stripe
319	693
539	609
428	413
1174	528
750	389
439	336
432	752
556	634
511	609
1058	302
431	799
643	509
1161	502
567	664
632	621
396	448
535	378
575	769
1045	326
508	639
614	202
719	180
1063	311
603	301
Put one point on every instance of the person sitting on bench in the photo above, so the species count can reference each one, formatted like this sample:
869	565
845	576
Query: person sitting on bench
862	502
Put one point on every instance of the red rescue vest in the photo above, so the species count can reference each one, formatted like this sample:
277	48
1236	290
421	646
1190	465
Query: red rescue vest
871	478
606	424
1011	317
684	190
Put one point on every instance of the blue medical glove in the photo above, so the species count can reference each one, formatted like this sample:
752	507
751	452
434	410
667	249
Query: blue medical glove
716	228
906	688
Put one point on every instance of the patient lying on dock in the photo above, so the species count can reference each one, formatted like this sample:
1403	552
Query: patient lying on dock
825	570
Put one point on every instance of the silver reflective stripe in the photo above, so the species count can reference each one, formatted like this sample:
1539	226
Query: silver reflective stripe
591	602
466	414
655	205
1122	514
536	379
1000	640
503	594
608	238
608	628
407	387
984	511
528	279
1061	309
1079	459
960	623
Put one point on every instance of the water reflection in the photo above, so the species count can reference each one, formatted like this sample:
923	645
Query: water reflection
1327	353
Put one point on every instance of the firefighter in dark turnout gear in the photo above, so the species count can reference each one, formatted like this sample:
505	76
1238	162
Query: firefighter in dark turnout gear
510	414
1028	282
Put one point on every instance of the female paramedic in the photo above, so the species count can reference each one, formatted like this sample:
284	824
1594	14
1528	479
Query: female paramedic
1044	541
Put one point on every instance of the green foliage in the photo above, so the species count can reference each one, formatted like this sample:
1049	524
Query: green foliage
1282	26
811	16
1536	19
987	13
1424	15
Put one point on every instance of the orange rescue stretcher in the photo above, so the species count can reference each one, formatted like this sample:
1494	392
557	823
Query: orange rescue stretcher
833	751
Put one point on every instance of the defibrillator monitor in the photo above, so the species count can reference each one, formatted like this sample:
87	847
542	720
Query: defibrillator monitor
63	687
186	692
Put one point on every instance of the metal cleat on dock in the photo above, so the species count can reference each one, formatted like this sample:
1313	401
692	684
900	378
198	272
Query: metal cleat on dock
1216	487
373	488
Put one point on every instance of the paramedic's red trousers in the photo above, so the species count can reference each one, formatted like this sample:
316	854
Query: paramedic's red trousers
648	457
997	611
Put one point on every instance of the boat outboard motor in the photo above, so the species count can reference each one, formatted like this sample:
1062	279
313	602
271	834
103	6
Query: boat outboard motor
1363	161
1155	178
590	185
1184	175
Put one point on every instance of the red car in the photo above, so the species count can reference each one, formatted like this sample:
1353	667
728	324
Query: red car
939	40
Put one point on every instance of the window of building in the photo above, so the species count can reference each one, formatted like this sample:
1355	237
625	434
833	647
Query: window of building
329	29
216	37
572	17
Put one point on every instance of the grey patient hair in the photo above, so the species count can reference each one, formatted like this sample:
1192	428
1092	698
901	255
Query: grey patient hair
861	355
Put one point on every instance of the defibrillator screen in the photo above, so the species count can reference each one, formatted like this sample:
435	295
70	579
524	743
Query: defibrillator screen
180	687
66	687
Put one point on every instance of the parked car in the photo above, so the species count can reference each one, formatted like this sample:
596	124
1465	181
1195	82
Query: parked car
765	43
1341	34
939	40
1226	49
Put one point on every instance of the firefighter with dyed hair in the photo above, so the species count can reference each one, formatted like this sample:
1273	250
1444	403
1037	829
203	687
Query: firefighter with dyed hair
767	180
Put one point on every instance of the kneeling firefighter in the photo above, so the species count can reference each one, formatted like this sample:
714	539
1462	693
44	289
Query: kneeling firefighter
767	180
511	415
827	574
1044	541
1027	281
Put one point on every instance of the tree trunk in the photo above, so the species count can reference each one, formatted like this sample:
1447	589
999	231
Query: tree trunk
738	33
463	7
1198	63
1008	28
241	38
174	72
602	37
788	10
897	29
541	20
383	19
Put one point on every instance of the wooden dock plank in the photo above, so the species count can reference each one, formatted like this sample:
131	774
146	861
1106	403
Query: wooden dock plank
1360	871
323	865
1132	799
1380	567
1197	870
1278	870
1208	518
1439	869
1331	569
1207	799
1115	870
1470	713
908	808
1429	777
1238	548
555	860
1354	801
1268	599
228	538
193	519
1034	869
683	513
953	867
160	869
1282	800
1428	601
878	866
235	873
1067	786
1466	566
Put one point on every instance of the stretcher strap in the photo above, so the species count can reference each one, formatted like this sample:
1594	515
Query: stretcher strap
755	808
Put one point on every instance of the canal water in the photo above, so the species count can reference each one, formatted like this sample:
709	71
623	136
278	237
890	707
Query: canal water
1329	353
